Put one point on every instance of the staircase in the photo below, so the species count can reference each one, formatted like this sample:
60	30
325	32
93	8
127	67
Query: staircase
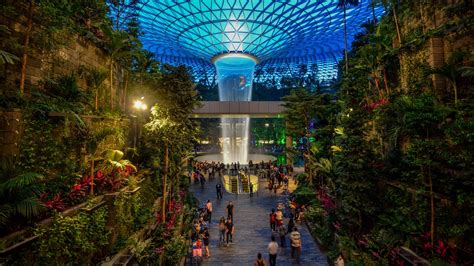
245	184
234	186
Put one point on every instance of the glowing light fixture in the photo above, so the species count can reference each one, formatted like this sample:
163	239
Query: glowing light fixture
140	105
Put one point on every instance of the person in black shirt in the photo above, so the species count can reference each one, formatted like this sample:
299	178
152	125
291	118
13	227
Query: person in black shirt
206	238
230	210
229	229
219	190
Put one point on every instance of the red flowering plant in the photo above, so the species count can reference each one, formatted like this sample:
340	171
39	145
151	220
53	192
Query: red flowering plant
54	203
99	180
375	105
77	193
115	170
325	200
440	248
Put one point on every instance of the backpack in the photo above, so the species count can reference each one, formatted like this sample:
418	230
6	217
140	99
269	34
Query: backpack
272	217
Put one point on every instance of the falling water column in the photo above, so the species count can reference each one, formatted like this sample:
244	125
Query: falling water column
234	78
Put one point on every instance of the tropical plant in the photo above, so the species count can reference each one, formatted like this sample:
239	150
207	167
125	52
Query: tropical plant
75	238
454	69
95	81
170	132
122	47
19	195
6	57
92	146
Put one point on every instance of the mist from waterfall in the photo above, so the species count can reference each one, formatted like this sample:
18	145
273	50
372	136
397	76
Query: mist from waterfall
235	76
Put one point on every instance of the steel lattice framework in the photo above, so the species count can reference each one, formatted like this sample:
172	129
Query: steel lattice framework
282	34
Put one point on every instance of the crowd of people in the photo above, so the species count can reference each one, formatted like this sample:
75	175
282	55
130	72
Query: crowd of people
200	231
278	177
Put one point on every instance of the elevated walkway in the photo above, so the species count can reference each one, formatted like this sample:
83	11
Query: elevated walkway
254	109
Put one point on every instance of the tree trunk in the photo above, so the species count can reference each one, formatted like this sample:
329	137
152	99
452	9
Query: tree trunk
432	227
455	88
345	40
373	13
125	93
385	82
395	18
377	86
165	175
97	99
111	84
92	175
26	44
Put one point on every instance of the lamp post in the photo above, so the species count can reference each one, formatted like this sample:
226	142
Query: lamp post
139	106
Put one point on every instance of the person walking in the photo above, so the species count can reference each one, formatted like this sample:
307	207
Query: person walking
272	251
197	252
209	210
291	225
219	190
230	210
222	228
272	220
229	229
282	232
251	189
279	217
295	244
206	238
260	260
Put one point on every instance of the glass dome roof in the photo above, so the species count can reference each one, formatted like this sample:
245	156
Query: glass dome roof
282	34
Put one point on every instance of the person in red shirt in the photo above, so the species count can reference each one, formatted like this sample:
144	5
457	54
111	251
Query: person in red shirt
197	252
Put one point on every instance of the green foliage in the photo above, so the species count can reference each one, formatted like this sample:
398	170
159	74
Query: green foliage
304	195
175	249
73	239
42	150
65	87
127	207
19	196
383	147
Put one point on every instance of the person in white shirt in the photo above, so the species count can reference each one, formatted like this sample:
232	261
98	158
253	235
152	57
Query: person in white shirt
209	210
272	251
295	244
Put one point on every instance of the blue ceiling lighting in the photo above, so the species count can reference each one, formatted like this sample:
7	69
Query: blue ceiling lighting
282	34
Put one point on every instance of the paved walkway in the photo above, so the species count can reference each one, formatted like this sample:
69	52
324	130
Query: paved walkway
252	229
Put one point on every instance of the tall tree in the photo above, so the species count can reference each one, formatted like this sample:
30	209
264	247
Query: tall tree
122	47
26	45
389	4
170	131
343	4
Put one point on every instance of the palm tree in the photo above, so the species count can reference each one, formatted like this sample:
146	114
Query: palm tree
121	46
6	57
389	4
453	70
18	194
95	81
343	4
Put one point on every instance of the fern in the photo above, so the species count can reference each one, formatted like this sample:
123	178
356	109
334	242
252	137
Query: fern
18	196
20	182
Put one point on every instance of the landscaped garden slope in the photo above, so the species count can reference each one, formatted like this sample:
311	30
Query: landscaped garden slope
389	157
82	179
